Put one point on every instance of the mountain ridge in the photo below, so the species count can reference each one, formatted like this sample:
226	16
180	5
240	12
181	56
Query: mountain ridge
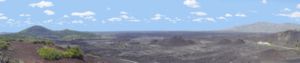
264	27
43	32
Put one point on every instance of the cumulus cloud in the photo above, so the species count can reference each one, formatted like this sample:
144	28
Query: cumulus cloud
298	6
172	19
24	15
2	0
157	17
3	17
115	19
49	21
221	18
289	13
42	4
123	12
210	19
160	17
199	13
191	3
83	14
89	15
264	1
124	17
228	15
66	16
207	19
295	14
49	12
287	10
240	15
77	22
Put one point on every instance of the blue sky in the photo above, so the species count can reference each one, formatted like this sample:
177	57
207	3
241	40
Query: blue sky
144	15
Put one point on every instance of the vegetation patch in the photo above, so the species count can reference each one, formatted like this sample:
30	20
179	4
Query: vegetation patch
73	52
3	43
51	53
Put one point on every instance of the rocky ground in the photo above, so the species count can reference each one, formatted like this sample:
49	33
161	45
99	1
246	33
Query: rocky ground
188	48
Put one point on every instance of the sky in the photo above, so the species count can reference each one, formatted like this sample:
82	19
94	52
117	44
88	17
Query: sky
144	15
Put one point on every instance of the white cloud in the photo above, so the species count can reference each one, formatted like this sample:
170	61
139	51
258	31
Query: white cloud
124	17
123	12
210	19
42	4
221	18
49	12
3	17
24	15
191	3
207	19
228	15
88	15
198	19
199	13
160	17
298	6
77	22
49	21
2	0
264	1
114	19
240	15
157	17
83	14
66	16
172	19
134	20
287	10
295	14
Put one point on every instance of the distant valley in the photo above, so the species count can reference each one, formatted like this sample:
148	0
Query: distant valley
251	44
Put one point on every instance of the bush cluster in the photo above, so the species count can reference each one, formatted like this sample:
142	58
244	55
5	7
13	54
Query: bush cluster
73	52
44	42
3	44
50	53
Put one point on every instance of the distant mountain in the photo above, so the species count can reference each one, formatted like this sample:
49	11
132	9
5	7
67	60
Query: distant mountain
264	27
42	32
37	31
290	35
289	38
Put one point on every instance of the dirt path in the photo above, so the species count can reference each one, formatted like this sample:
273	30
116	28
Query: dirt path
26	52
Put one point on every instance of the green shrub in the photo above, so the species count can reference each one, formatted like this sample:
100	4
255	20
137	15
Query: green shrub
44	42
73	52
3	44
50	53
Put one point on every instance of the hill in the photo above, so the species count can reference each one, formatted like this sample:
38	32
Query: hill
41	32
264	27
289	38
